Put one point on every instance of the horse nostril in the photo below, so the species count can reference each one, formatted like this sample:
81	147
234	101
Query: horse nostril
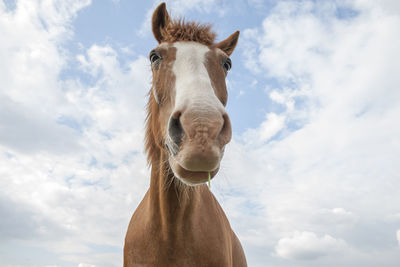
175	130
225	134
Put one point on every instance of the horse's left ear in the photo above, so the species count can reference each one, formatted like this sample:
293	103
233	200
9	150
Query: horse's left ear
229	44
159	21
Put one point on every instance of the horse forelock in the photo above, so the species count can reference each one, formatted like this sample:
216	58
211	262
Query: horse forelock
180	30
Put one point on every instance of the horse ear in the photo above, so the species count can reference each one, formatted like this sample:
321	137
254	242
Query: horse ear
229	44
159	21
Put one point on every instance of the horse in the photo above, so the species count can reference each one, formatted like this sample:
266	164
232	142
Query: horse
179	222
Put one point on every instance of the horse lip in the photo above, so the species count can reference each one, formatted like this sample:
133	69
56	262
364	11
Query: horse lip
174	157
195	171
188	176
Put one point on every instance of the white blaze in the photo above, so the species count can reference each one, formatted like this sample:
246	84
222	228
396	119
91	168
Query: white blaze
192	82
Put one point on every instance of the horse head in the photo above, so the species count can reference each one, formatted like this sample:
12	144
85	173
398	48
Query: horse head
187	115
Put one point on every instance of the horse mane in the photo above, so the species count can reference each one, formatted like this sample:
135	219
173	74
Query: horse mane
180	30
152	131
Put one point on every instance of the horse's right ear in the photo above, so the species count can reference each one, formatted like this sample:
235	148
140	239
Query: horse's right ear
229	44
159	21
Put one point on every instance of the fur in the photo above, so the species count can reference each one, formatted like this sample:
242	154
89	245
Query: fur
180	30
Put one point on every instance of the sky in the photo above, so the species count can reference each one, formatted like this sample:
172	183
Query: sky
310	178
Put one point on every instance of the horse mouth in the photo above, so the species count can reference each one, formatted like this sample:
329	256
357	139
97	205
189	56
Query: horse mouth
190	177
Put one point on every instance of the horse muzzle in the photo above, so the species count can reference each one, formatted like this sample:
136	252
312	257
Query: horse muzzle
196	141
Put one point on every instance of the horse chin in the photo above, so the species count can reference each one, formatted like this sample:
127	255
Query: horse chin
189	177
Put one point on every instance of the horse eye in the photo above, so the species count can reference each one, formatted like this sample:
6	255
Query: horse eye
227	65
154	56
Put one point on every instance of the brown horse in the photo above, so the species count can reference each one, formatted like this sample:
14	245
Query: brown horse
179	221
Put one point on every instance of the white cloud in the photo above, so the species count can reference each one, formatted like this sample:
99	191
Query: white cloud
268	129
71	157
394	217
342	216
386	6
72	165
333	160
308	246
398	236
31	63
29	130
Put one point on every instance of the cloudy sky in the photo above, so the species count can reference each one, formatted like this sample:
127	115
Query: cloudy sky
310	179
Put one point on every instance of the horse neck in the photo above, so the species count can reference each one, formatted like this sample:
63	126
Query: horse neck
172	202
